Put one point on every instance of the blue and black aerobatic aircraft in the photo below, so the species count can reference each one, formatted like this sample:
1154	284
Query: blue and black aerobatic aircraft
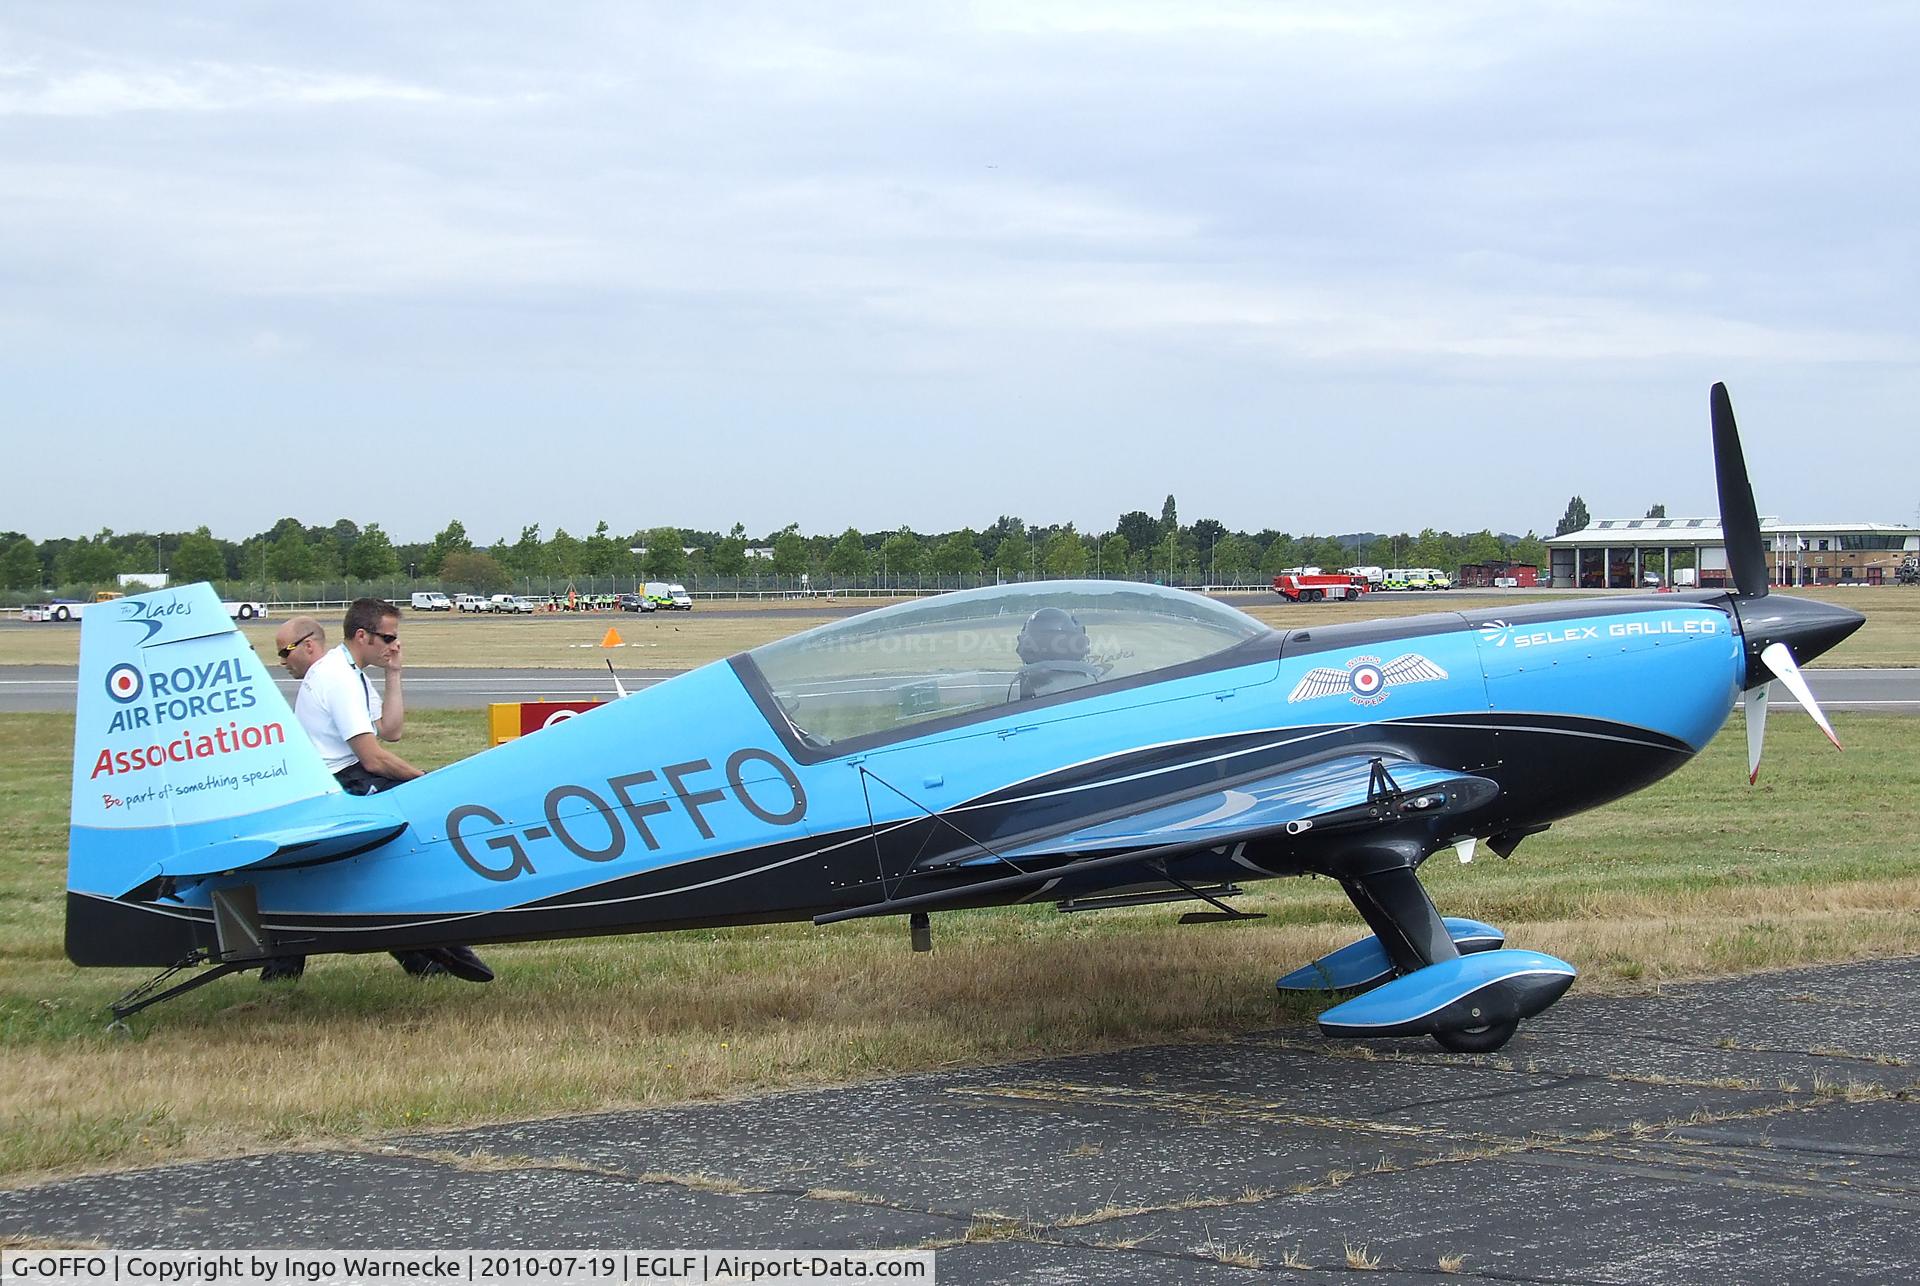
1090	744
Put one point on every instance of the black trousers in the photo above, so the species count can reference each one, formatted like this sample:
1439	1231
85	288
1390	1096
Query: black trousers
356	780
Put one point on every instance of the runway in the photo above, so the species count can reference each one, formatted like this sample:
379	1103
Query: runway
1764	1128
27	688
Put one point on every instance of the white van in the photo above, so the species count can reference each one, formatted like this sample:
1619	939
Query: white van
672	597
431	601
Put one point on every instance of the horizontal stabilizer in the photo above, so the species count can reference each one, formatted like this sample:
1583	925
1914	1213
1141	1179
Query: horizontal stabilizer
329	841
1363	964
1467	993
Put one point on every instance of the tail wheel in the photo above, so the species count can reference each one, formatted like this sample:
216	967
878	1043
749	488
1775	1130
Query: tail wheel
1477	1040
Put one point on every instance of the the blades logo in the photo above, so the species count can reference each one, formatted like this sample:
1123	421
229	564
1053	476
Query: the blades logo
124	683
1365	680
151	616
1495	632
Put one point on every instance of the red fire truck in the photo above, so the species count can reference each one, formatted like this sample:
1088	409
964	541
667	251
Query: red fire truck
1310	587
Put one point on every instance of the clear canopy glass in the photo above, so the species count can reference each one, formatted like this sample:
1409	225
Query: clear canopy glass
984	649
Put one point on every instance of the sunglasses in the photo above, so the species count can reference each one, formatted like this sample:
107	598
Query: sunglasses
287	651
388	639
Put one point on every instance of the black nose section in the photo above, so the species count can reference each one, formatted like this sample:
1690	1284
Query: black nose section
1806	627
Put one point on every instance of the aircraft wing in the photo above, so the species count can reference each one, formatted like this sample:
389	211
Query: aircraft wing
1278	803
1347	794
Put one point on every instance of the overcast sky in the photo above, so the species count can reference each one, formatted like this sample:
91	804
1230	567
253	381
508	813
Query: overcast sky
1314	267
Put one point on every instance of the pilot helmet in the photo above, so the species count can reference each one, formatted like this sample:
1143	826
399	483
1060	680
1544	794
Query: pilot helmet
1053	634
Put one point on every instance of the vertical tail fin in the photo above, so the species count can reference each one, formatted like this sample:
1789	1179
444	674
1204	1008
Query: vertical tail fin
178	732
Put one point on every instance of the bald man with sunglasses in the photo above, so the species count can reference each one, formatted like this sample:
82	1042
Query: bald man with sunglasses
299	643
346	718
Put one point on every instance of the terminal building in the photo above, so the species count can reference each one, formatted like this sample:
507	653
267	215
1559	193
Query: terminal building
1621	553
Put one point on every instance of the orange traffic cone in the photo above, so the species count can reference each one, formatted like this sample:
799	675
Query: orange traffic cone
612	639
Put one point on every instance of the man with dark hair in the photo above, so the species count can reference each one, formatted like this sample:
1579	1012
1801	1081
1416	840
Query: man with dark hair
343	714
347	720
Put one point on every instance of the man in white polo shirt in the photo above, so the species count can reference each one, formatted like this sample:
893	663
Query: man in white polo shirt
347	718
345	714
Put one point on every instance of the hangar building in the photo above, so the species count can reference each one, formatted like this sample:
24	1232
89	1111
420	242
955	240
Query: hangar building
1620	553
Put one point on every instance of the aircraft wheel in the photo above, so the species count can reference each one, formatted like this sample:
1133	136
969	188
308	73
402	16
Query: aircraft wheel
246	612
62	614
1477	1040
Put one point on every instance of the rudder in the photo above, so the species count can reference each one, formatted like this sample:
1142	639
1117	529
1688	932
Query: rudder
178	732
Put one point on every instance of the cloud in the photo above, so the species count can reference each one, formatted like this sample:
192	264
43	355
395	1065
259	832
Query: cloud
27	90
783	220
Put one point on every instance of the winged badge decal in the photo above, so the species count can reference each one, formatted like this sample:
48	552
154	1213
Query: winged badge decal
1364	679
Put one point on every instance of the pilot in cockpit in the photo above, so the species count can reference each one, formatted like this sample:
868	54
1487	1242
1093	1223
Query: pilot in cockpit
1053	648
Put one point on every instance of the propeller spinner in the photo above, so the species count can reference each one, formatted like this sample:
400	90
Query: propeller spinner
1780	632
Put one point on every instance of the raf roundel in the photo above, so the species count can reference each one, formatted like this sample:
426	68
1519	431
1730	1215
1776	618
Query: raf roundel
124	682
1365	679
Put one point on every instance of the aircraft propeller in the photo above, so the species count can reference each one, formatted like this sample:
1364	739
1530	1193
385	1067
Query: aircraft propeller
1780	631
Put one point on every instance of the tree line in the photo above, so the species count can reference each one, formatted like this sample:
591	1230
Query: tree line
1138	546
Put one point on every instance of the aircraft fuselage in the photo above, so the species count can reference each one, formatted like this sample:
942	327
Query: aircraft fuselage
696	803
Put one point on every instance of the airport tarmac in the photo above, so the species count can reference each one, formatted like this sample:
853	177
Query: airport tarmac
51	687
25	688
1764	1128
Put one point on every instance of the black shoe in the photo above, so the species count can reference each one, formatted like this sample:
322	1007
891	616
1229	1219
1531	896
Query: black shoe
421	964
283	969
462	963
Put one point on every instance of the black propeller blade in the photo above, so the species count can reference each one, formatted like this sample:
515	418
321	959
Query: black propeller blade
1783	631
1739	520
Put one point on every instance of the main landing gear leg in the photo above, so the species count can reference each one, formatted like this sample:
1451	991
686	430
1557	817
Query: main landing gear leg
1396	907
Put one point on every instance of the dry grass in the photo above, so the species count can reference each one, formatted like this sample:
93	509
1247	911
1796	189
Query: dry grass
1233	1256
21	1241
992	1226
846	1195
1358	1257
1247	1196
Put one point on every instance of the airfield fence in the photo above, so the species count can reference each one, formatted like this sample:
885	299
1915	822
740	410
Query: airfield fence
323	596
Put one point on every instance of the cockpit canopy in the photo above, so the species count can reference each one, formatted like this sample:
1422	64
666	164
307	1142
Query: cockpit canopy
984	649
